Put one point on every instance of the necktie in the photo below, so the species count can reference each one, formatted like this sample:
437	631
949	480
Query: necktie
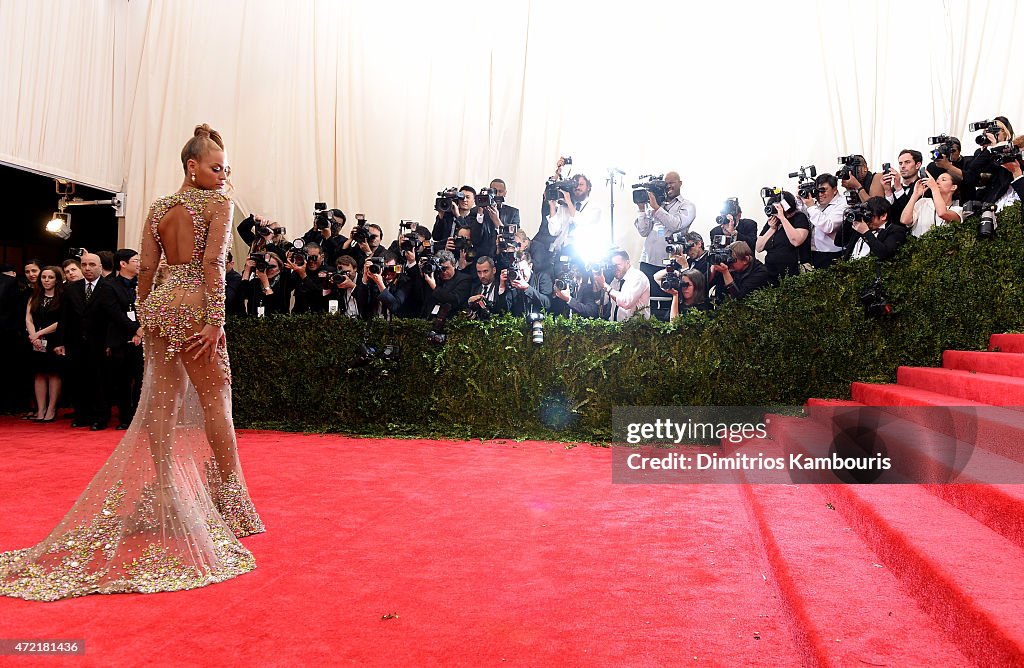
88	291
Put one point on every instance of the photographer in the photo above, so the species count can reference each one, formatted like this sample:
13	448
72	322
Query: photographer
691	292
365	241
341	293
489	220
444	284
785	239
529	289
580	295
266	289
489	296
262	235
655	221
390	292
897	186
459	213
461	246
629	291
234	295
987	175
574	216
305	283
922	214
326	231
737	278
860	179
954	163
731	223
825	211
875	234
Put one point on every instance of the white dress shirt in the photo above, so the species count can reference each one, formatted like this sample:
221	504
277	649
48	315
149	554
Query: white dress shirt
675	215
589	223
826	221
629	294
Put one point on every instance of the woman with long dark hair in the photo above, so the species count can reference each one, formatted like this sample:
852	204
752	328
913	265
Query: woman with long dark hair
42	318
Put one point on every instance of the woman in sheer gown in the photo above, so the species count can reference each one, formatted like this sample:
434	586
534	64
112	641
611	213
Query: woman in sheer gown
166	510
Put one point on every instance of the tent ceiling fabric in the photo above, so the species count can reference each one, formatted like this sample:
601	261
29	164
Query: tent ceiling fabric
374	106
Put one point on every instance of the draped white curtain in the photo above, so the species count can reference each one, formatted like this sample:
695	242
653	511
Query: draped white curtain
374	106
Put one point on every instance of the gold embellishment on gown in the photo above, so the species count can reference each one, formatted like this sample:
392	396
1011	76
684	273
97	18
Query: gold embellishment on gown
233	502
164	310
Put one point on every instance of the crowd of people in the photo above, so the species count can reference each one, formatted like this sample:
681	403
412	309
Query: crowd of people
77	325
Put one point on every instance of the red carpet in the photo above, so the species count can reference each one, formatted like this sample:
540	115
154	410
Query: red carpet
526	554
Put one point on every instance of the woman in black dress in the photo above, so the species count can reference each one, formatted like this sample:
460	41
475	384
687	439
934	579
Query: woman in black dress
41	320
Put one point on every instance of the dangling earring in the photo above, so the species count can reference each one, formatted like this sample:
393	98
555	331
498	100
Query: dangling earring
193	177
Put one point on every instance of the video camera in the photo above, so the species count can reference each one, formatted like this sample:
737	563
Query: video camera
943	146
849	163
806	186
654	185
1004	153
671	280
990	127
488	197
447	197
554	188
321	218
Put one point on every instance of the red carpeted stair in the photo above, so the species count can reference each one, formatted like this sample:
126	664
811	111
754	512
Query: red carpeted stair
920	573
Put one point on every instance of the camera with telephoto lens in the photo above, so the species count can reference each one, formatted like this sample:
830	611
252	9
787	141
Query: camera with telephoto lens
365	353
731	207
859	211
849	163
654	185
566	276
430	266
806	186
447	197
989	127
536	322
298	252
1004	153
335	278
677	243
464	244
376	265
987	225
943	146
875	301
771	195
481	308
261	262
554	188
437	335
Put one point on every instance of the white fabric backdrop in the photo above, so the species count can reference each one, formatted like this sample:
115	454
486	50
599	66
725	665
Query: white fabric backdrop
374	106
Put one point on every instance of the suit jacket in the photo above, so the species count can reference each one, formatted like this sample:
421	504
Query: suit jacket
884	246
115	300
234	294
84	324
454	292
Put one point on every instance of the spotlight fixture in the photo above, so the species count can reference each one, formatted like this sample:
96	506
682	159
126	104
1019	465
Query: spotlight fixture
60	225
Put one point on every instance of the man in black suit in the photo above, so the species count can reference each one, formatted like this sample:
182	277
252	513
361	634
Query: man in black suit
874	234
123	344
234	293
448	286
489	221
85	335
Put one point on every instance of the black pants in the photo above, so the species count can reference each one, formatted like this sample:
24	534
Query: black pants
86	366
124	380
822	260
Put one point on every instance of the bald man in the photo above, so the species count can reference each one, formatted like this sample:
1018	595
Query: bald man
655	221
85	328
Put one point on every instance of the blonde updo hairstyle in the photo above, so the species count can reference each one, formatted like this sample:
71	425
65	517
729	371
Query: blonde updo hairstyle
204	140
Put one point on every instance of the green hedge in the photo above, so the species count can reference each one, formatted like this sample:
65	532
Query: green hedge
807	338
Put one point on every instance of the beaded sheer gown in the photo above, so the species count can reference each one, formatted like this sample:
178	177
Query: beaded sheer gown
166	510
